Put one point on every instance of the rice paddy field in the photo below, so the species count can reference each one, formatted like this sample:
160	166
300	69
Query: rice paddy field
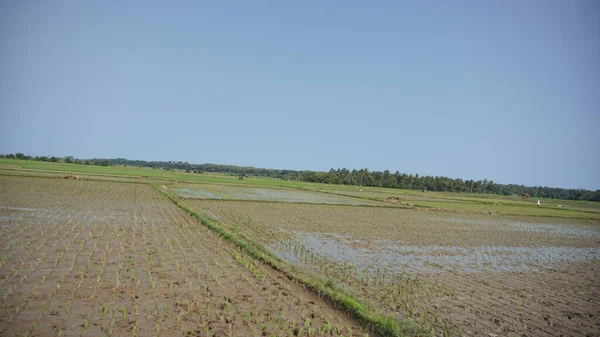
458	273
119	259
166	255
274	194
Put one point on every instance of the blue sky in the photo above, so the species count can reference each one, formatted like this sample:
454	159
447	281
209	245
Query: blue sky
504	90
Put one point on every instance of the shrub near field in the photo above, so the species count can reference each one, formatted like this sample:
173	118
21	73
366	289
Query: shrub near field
456	273
106	258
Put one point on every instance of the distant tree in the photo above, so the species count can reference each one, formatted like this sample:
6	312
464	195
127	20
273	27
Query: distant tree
345	177
101	162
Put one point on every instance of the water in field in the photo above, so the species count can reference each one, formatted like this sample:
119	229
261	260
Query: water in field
26	209
8	218
287	196
196	193
553	229
9	215
397	256
264	194
562	229
211	215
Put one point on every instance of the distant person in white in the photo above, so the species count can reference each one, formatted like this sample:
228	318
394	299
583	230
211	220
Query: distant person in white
539	203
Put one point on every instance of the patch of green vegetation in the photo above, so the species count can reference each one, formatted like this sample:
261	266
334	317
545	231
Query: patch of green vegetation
126	171
506	209
157	174
469	202
511	205
249	266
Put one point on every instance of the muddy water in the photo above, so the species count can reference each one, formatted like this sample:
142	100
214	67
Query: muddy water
557	229
265	194
398	256
11	215
553	229
196	193
283	195
27	209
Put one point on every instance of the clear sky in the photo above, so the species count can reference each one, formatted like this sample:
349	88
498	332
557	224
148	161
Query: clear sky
504	90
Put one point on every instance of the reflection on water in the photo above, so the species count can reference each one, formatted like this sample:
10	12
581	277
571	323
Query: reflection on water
195	193
563	230
286	196
27	209
541	228
395	255
264	194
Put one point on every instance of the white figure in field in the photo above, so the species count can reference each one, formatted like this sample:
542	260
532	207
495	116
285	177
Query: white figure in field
539	203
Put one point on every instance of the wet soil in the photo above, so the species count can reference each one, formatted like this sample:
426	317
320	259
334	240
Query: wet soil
105	258
460	274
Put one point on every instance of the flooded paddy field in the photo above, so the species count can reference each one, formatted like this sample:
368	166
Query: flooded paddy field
459	274
278	194
119	259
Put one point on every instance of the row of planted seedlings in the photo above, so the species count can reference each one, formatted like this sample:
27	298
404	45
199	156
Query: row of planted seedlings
103	253
238	221
60	264
75	290
411	294
513	298
257	226
40	211
83	293
122	315
31	226
70	312
60	261
425	302
31	261
275	310
32	236
340	273
497	298
110	291
391	290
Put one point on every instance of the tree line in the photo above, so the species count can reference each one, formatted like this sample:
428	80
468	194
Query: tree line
362	177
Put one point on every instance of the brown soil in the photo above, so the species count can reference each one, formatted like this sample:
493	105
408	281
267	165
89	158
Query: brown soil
542	297
105	258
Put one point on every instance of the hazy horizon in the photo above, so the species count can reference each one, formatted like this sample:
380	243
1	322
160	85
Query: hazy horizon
500	90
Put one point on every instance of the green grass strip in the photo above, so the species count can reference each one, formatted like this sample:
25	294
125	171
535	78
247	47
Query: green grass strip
383	325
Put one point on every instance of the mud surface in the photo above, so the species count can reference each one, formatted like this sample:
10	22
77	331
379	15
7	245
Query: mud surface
105	258
459	274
